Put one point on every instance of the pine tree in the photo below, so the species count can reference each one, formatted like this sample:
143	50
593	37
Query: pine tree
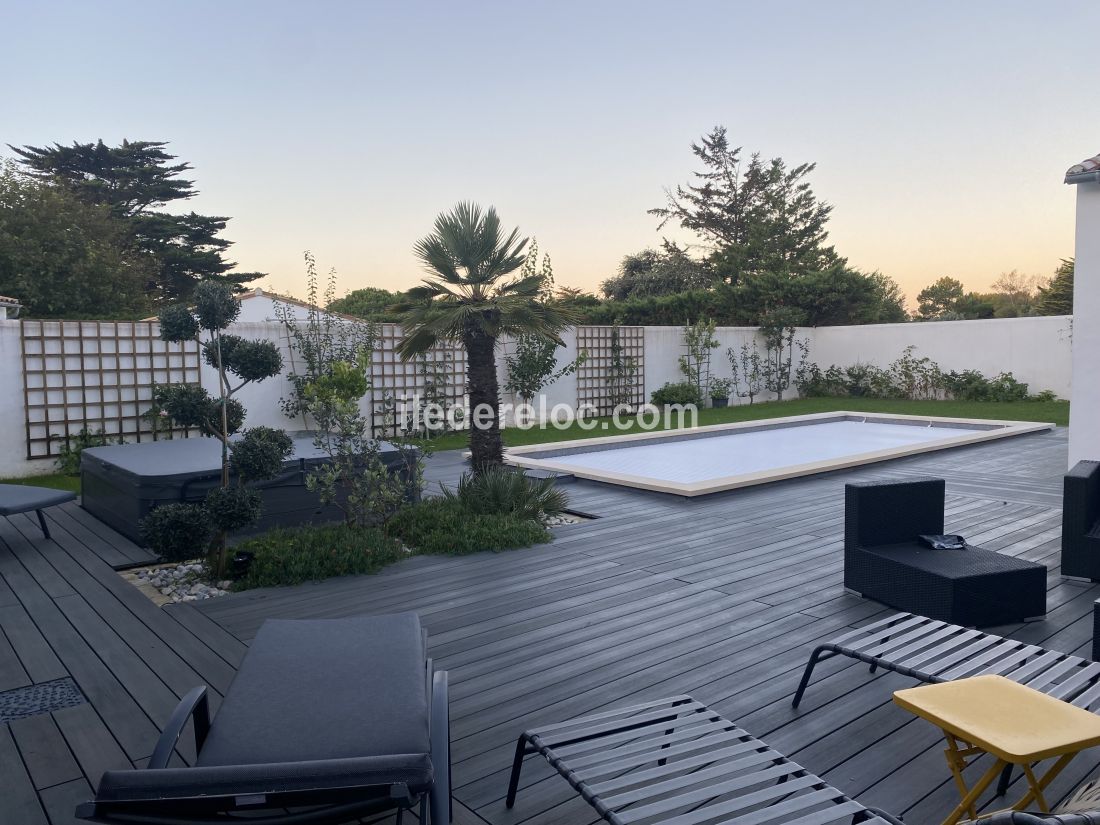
1056	298
757	217
133	180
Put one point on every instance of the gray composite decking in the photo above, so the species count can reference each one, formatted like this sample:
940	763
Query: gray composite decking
721	597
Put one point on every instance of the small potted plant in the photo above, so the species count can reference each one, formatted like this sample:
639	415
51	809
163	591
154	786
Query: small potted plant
720	392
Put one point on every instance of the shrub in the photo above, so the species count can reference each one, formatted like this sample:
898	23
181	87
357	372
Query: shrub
971	385
178	532
1005	387
813	382
505	490
1046	396
68	455
683	392
311	553
444	526
862	380
260	454
231	508
720	387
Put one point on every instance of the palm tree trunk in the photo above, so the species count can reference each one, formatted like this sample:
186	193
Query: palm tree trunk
486	447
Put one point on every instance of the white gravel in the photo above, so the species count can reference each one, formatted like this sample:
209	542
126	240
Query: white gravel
183	582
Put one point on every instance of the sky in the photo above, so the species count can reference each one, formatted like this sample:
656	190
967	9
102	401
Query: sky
941	130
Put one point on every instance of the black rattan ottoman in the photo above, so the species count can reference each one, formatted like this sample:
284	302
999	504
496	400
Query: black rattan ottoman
884	561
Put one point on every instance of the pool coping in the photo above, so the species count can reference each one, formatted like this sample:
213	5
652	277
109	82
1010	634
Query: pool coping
984	430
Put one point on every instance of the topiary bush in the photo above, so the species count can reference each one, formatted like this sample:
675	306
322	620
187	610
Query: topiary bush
232	508
684	393
260	453
178	532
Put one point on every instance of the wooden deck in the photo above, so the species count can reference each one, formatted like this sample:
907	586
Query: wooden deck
721	597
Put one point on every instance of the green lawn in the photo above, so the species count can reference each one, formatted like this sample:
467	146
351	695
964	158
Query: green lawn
1056	412
57	481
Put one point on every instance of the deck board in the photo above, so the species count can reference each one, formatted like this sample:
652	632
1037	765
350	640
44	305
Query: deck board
721	596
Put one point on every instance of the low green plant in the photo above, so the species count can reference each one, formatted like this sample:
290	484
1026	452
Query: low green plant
862	380
178	532
505	490
971	385
814	382
311	553
444	526
720	387
68	454
683	392
912	377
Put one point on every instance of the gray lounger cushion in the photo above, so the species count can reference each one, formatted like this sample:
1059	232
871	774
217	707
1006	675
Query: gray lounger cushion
20	498
324	703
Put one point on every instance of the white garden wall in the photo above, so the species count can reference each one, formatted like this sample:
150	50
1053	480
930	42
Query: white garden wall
1084	423
1035	350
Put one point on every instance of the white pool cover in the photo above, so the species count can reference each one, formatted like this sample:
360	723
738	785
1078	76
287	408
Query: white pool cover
702	459
724	457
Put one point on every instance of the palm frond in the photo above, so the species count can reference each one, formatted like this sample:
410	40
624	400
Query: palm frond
469	256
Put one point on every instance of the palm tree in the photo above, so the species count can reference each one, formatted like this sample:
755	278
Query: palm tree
470	299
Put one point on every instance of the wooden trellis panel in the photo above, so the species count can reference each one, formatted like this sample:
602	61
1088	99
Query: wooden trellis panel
405	380
97	375
595	380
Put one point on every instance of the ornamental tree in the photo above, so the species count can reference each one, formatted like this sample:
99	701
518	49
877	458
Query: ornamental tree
259	452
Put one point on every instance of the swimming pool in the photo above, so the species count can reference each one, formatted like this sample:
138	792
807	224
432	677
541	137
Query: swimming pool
702	460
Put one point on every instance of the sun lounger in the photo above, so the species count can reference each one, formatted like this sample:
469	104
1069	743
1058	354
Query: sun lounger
335	719
933	651
676	762
21	498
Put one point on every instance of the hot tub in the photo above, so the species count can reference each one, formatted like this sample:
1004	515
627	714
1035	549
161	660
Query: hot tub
700	460
120	484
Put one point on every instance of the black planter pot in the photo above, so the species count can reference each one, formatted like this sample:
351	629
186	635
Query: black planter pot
719	403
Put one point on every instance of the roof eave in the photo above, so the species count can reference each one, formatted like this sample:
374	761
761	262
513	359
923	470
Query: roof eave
1092	176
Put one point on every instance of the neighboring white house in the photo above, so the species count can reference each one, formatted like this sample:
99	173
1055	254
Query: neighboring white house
1084	416
9	308
259	306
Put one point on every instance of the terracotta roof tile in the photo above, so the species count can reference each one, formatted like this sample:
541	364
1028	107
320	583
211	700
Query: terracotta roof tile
1084	167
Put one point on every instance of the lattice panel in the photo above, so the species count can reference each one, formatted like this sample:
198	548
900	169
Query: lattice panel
443	365
596	382
96	374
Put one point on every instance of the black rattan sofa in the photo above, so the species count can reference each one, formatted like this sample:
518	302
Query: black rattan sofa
884	560
327	721
1081	521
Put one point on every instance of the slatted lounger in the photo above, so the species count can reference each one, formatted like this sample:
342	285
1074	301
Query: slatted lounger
676	762
933	651
21	498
